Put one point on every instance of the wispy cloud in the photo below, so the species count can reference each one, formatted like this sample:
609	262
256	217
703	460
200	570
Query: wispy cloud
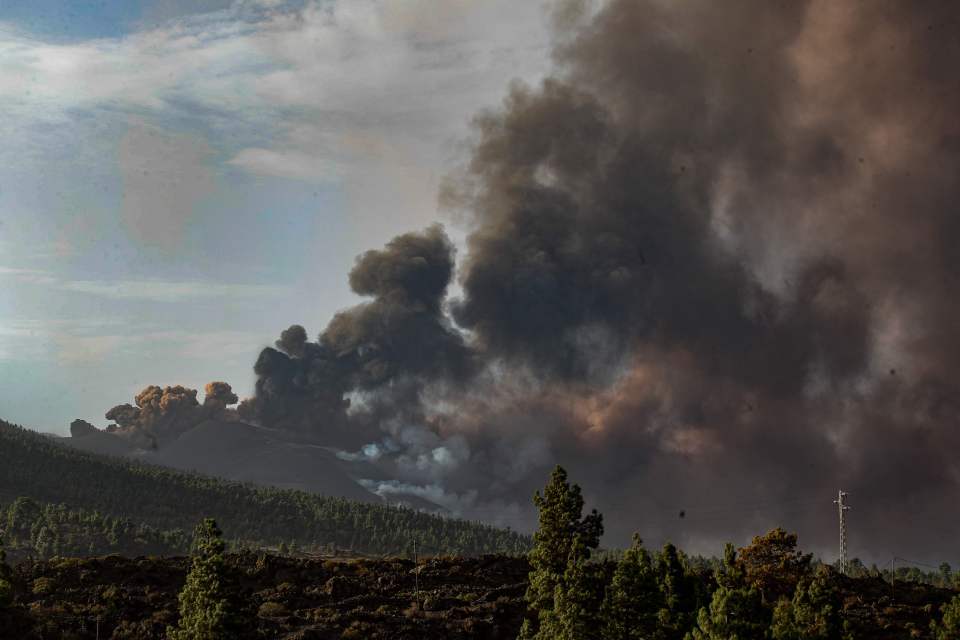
153	290
116	147
327	92
286	164
80	340
198	346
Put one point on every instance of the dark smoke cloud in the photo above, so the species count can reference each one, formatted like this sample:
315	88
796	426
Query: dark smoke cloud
391	345
712	266
80	428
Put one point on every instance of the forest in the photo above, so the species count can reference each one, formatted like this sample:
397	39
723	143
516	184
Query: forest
41	531
566	587
767	590
150	504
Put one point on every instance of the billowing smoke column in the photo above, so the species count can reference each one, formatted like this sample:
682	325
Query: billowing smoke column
380	353
161	414
712	267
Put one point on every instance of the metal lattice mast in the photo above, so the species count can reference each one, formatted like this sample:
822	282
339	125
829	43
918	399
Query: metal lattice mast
842	508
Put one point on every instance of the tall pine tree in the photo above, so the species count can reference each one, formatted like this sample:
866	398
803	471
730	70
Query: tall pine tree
560	507
736	611
680	591
633	598
812	614
204	611
577	600
773	564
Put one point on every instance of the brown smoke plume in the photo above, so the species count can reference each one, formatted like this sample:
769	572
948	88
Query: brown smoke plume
162	414
712	266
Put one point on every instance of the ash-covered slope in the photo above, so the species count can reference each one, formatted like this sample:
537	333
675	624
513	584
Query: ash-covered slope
44	469
241	452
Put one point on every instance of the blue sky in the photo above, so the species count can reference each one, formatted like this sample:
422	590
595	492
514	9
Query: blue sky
179	181
76	19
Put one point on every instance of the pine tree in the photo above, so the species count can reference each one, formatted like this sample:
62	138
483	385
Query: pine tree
681	599
773	565
204	611
812	614
736	611
949	627
633	599
6	589
576	602
560	509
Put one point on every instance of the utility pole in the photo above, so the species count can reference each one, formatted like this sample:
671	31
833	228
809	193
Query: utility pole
416	572
842	508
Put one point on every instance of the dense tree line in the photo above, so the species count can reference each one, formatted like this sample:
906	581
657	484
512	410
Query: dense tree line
36	466
943	576
42	531
767	590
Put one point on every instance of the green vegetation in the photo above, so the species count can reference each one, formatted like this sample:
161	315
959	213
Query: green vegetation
576	603
61	502
736	608
682	591
633	600
204	610
563	540
767	590
6	589
948	628
42	531
943	577
36	466
271	597
773	565
812	614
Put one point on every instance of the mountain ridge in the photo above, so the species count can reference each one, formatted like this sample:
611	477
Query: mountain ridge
43	469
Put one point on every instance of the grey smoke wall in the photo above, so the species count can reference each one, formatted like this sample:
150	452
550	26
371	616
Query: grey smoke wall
712	267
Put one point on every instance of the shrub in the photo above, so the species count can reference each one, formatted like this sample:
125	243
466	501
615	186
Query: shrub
273	610
42	586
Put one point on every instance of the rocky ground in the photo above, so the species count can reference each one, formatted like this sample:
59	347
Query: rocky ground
276	598
279	597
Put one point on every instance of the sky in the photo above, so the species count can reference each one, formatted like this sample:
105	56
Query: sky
179	181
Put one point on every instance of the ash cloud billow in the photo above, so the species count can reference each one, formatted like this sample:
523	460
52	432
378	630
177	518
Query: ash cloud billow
162	414
711	267
379	354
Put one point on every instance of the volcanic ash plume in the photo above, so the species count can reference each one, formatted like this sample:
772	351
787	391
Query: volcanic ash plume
161	414
380	353
712	266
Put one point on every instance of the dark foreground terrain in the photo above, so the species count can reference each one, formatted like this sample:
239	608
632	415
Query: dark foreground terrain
278	597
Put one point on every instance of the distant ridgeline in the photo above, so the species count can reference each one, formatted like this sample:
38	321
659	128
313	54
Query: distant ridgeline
75	496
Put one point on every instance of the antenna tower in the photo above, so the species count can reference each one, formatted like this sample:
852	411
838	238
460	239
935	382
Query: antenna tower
842	508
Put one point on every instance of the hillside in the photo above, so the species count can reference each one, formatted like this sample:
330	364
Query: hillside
39	467
241	452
